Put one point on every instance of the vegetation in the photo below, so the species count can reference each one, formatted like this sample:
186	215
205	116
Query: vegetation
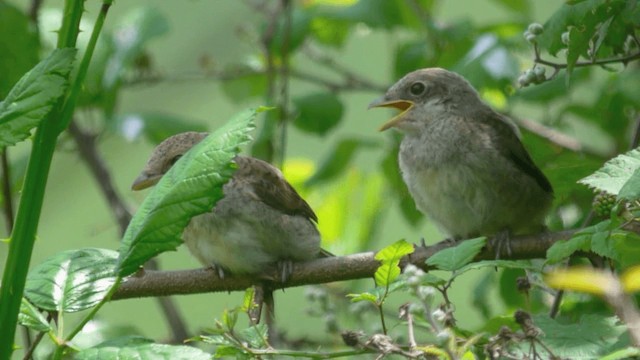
568	293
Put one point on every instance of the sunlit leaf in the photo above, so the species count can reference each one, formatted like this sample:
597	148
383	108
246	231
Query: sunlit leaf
72	280
615	173
630	191
33	97
191	187
390	257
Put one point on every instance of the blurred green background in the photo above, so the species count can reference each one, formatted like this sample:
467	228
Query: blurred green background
76	215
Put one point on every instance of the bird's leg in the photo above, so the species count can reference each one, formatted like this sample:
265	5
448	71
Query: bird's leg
501	241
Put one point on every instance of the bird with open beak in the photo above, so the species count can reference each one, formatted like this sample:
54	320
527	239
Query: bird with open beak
463	162
260	221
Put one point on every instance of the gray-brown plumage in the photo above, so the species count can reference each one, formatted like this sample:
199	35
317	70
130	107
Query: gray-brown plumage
260	221
463	163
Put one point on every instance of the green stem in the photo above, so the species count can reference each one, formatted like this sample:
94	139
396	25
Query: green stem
28	215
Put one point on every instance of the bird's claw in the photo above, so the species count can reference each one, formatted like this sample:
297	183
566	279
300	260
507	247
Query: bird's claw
285	269
501	241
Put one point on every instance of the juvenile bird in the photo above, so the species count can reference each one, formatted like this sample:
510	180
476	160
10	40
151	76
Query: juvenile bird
260	221
463	162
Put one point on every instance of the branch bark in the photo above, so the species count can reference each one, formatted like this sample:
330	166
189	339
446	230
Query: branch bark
340	268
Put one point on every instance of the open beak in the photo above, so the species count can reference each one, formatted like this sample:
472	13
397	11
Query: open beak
402	105
144	181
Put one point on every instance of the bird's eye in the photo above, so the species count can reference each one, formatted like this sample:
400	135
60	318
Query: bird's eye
174	159
417	88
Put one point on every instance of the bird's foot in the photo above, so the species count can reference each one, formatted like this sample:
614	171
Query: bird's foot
501	242
218	270
285	269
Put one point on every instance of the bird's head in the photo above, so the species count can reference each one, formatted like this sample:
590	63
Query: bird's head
164	156
424	95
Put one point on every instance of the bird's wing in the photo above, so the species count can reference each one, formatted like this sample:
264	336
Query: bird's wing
271	187
505	132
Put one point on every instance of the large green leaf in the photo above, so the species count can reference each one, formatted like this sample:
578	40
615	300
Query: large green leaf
454	258
615	173
32	98
143	352
72	280
191	187
18	45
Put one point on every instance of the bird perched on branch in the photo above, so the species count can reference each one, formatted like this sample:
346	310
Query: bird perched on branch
260	221
463	162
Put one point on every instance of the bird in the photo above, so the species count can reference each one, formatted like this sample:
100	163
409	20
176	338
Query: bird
260	221
463	163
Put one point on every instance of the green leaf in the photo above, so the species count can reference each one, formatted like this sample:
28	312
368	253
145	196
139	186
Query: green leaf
338	159
580	241
32	98
410	56
578	45
630	191
615	173
19	40
330	32
154	126
626	245
626	353
390	257
142	352
255	336
365	296
318	113
129	38
455	258
32	318
578	15
191	187
584	339
72	280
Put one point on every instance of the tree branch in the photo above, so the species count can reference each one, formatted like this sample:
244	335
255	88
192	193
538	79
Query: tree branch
320	271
